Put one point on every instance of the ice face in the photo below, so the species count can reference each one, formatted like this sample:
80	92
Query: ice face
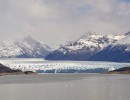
42	66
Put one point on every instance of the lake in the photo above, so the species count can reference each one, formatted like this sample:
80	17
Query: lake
65	87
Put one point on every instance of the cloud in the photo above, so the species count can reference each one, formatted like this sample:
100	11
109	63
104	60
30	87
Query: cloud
55	21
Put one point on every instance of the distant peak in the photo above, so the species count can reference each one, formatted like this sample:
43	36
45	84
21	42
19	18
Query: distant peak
28	38
128	33
2	44
88	34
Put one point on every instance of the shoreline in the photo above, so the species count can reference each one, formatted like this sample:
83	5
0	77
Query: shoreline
19	73
123	70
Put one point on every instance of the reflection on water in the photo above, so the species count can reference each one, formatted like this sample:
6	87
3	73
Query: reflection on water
65	87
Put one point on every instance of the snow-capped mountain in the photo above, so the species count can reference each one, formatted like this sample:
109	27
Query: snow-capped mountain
91	46
118	51
85	47
25	48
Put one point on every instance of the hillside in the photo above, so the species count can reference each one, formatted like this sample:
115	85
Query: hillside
6	70
124	70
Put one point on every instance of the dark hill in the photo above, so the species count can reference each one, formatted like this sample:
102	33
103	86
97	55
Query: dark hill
124	70
7	70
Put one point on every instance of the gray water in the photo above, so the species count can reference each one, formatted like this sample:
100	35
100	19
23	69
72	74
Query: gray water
65	87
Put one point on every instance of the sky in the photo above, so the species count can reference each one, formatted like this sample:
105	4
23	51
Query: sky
58	21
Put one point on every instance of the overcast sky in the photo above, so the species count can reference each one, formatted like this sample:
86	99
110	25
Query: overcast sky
55	21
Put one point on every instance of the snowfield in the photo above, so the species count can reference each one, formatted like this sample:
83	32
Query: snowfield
42	66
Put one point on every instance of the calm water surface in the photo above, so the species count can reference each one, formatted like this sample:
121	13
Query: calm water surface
65	87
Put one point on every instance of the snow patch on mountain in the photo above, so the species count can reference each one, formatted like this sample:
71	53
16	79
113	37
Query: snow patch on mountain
93	40
10	51
123	42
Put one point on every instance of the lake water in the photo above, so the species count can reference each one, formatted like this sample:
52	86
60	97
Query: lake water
65	87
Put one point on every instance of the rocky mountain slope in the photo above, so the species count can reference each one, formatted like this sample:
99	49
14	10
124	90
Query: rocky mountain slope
85	47
118	51
25	48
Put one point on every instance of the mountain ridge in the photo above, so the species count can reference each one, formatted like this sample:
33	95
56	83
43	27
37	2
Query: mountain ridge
93	47
25	48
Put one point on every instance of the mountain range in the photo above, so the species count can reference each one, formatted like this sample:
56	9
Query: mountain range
89	47
24	48
95	47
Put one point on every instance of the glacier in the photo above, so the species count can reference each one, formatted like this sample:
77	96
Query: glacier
44	66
